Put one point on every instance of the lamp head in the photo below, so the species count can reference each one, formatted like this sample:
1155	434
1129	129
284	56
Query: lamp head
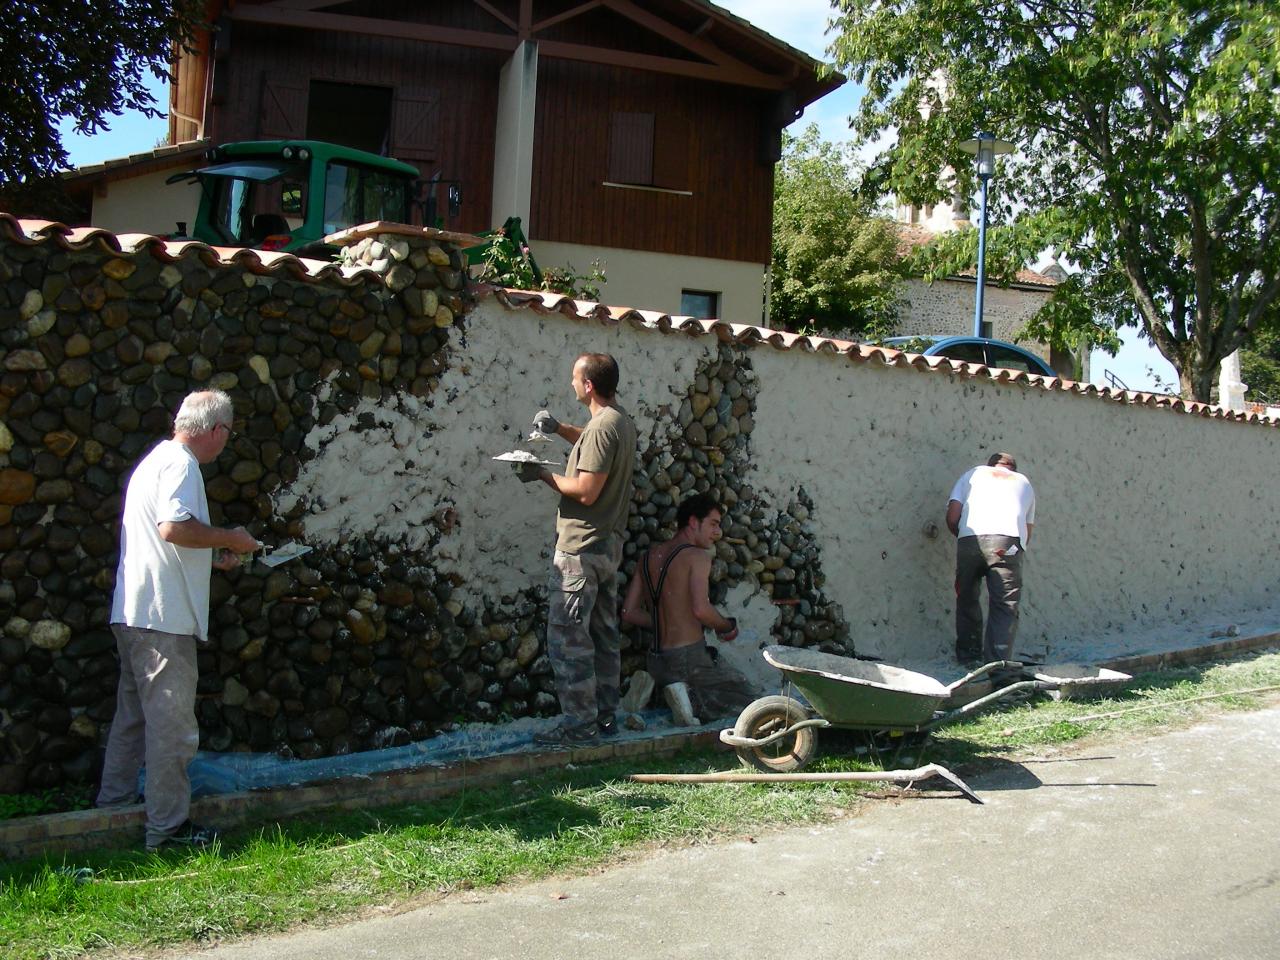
984	147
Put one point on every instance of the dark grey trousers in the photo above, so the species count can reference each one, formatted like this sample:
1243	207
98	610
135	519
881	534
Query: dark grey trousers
986	558
715	689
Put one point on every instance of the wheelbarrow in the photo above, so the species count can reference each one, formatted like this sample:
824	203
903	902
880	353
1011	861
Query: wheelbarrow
779	734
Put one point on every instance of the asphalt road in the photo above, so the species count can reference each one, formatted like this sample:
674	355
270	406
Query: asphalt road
1165	847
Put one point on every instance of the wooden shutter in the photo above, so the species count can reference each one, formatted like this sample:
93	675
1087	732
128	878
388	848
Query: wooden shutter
284	110
415	124
631	148
671	147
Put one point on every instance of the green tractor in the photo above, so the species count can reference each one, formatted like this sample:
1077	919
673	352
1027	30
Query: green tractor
289	195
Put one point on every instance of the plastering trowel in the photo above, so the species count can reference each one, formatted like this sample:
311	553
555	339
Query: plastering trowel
285	552
520	456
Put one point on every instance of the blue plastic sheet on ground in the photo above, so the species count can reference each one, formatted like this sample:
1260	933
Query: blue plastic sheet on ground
218	773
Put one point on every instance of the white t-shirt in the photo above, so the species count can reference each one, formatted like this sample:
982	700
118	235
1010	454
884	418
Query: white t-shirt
997	501
161	586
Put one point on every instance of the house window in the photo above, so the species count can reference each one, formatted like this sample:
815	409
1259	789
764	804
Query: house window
649	150
351	114
988	329
702	304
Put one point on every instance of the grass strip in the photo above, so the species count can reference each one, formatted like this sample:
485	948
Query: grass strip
328	866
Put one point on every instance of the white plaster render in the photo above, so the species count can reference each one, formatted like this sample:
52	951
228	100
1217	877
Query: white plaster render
506	368
653	281
146	205
1139	531
1137	527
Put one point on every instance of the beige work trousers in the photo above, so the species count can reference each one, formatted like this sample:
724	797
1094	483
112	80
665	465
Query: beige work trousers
155	725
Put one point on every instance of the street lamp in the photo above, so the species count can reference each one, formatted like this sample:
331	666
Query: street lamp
984	147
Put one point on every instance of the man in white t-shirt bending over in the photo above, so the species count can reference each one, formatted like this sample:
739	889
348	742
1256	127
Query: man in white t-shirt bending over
160	610
991	513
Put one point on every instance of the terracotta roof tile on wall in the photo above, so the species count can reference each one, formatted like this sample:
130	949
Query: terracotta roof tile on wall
273	262
32	232
544	303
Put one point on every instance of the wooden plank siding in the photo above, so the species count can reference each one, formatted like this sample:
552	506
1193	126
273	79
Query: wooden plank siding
729	215
461	83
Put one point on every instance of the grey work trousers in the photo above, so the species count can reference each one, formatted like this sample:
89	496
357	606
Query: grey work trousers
155	724
582	635
986	558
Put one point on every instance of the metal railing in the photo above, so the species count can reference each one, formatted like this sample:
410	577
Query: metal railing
1113	380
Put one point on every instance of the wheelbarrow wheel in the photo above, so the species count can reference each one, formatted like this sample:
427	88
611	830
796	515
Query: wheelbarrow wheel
767	716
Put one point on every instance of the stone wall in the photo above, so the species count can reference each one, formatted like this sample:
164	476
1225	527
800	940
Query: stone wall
946	307
370	404
365	401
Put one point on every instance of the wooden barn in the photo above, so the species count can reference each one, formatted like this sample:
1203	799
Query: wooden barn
639	132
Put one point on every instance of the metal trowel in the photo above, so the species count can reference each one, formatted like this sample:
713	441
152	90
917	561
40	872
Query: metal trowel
285	552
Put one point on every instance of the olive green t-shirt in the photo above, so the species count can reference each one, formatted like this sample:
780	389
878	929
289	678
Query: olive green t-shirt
607	445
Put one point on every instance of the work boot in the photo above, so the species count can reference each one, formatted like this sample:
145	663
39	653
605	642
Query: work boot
561	736
677	697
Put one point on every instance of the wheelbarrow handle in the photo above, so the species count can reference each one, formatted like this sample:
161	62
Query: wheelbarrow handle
975	705
984	670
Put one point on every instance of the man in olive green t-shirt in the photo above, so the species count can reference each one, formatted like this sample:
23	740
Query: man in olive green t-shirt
595	497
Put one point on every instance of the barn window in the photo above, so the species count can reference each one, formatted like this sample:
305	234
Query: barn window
649	150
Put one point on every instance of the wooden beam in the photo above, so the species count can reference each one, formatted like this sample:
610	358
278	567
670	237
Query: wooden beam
644	61
303	4
566	15
372	27
526	19
497	14
668	30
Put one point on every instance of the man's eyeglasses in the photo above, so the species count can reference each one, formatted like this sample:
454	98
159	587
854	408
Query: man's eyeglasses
231	434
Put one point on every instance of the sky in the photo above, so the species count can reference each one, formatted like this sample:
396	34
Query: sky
802	24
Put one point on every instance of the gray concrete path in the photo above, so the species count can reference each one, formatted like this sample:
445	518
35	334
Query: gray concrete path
1161	848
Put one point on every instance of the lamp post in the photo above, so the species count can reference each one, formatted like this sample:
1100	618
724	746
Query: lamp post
984	147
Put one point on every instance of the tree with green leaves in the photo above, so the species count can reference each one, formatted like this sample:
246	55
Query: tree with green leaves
85	61
836	267
1148	137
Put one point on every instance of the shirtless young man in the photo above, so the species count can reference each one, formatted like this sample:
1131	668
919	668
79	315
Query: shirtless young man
669	595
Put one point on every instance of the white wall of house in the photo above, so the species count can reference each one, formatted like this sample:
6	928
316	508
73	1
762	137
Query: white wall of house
654	281
146	204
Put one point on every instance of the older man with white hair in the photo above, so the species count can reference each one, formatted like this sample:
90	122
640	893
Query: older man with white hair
160	611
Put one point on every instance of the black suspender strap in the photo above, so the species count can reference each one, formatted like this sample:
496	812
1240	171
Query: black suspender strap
655	593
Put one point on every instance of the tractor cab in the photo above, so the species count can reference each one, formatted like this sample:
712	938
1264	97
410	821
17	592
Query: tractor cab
289	194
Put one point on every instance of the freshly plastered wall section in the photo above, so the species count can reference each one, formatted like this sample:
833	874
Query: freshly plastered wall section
1145	516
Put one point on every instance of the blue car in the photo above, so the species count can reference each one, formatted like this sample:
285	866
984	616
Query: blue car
994	353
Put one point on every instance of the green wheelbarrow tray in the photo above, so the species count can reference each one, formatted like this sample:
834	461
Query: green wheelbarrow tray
860	694
856	695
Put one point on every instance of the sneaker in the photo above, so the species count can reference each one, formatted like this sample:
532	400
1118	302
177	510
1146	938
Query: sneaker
188	835
561	736
607	728
677	697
